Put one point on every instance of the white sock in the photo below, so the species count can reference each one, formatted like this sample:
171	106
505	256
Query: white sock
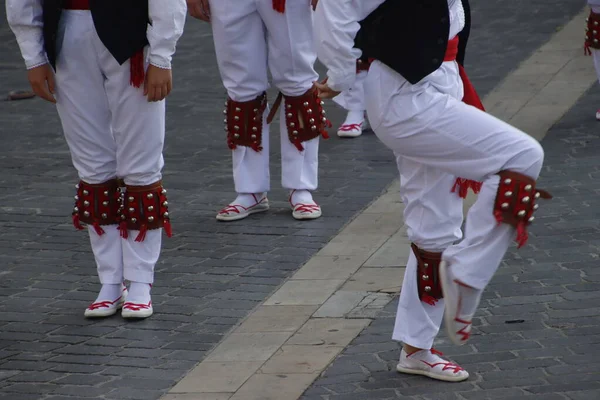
110	292
139	293
248	199
301	197
470	298
354	117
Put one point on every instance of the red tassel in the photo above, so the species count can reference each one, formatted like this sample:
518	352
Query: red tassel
429	300
470	94
299	146
123	229
462	186
142	235
586	50
98	229
138	74
279	5
498	216
324	133
76	222
168	229
475	186
522	235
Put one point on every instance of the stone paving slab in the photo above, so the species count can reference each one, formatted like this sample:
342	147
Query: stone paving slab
211	275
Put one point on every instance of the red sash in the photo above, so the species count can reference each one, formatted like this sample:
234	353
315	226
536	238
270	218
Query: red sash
471	97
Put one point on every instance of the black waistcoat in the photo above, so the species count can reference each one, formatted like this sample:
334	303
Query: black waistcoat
121	26
411	37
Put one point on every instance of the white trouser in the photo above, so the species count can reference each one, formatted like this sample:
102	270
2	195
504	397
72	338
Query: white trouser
353	99
112	131
251	38
436	138
595	52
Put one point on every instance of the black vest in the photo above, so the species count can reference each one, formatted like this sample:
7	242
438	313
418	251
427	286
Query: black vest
411	37
121	26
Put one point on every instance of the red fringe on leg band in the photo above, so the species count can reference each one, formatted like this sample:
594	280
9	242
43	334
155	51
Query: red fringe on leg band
462	186
138	73
279	5
123	229
98	229
168	229
142	235
76	222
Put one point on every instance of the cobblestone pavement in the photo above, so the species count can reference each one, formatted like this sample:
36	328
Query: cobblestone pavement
211	274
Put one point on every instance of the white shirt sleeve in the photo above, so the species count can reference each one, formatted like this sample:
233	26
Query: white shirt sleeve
168	19
25	20
335	26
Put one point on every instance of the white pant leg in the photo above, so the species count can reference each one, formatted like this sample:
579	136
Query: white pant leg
292	52
84	112
353	99
596	57
433	216
251	172
241	49
82	103
299	169
139	130
108	252
596	53
426	123
292	56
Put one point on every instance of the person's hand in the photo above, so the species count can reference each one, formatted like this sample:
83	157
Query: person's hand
42	82
158	83
199	9
324	91
314	3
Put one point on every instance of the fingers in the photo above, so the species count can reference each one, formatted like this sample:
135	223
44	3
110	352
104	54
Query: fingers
206	9
51	83
169	88
200	12
324	91
158	92
41	90
146	85
321	87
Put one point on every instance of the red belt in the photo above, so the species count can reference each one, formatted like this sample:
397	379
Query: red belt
76	5
452	49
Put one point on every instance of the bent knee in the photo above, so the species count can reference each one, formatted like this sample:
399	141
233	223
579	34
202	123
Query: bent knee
535	155
529	160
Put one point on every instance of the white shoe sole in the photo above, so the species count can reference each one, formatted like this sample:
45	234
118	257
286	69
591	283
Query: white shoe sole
303	216
103	312
106	312
235	217
349	134
431	375
130	314
450	303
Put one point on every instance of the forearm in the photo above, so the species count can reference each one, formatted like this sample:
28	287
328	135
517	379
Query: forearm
25	20
167	22
336	25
